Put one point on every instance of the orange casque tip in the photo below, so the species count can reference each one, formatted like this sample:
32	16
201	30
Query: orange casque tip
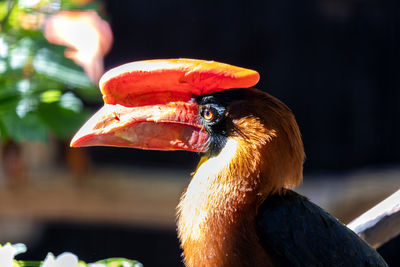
123	84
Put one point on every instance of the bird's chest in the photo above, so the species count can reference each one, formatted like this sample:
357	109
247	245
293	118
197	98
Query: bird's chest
215	230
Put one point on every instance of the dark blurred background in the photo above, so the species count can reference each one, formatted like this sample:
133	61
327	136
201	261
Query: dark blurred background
335	63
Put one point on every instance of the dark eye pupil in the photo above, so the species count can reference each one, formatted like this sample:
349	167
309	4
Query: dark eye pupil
208	114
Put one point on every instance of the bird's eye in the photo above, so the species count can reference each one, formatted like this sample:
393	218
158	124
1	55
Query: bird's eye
208	113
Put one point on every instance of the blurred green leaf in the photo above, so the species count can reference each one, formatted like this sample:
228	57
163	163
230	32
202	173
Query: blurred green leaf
41	91
112	262
62	121
59	68
50	96
3	10
119	262
29	127
27	264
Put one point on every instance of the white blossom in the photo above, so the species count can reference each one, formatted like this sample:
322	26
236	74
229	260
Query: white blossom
65	259
7	253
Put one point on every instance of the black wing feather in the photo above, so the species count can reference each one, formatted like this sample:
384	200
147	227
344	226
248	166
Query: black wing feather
299	233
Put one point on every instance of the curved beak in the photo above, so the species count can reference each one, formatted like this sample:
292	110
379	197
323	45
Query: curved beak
170	126
149	104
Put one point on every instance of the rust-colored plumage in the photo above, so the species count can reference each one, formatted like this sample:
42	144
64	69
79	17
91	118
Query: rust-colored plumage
238	209
217	212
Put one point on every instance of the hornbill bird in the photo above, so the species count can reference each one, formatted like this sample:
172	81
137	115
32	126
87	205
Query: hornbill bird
239	209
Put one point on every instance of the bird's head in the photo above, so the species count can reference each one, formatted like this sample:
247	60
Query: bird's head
200	106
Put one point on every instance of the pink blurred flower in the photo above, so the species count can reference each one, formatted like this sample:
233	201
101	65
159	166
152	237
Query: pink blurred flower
87	36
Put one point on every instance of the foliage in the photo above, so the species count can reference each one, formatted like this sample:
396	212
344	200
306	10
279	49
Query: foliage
112	262
41	91
66	259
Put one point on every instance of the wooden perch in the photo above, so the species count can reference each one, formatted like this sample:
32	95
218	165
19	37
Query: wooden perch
381	223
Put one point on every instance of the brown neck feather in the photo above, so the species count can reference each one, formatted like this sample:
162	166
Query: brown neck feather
216	214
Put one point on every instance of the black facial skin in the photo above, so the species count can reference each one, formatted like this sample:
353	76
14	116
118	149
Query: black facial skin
228	106
216	127
221	125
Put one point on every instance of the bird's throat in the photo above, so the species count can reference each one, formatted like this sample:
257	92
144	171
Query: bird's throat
217	210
